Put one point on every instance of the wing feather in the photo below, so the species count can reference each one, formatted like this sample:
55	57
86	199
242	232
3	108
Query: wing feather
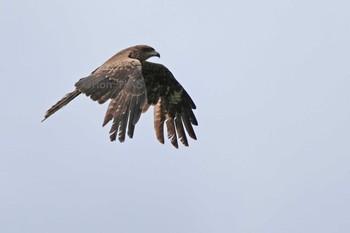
159	118
188	125
171	131
123	83
114	129
172	104
123	123
180	130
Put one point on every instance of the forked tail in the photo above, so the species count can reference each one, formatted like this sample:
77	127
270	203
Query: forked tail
65	100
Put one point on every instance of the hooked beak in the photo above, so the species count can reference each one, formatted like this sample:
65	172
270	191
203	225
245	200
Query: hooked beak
156	54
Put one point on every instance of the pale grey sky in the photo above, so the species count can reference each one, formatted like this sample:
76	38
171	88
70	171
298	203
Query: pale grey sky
271	81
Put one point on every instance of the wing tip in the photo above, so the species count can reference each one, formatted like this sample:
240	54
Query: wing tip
161	140
175	145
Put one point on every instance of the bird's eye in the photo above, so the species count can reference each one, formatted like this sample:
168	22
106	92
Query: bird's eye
147	49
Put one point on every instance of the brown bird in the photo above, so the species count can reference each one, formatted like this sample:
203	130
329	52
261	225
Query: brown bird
133	85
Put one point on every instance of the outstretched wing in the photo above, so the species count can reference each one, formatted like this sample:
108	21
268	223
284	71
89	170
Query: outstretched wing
124	84
173	106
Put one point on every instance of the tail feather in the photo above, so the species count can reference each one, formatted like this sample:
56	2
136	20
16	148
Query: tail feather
65	100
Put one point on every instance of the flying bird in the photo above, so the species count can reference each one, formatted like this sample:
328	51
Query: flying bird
132	85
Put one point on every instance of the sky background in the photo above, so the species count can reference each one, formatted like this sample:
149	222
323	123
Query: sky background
271	82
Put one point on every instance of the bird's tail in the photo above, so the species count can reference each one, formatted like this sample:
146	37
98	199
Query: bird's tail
65	100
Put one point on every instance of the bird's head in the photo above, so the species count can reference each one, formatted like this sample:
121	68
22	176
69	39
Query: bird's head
143	52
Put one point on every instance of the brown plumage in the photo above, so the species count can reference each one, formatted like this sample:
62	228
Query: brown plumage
133	85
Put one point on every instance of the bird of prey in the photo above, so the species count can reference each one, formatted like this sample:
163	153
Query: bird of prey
133	85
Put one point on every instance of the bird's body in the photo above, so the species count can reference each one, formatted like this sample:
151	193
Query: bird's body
133	84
